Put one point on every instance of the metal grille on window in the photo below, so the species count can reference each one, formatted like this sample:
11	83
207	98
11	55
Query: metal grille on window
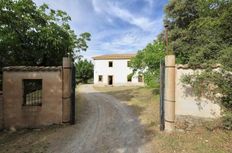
32	92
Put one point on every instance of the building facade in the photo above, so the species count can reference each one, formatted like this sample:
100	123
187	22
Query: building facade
114	70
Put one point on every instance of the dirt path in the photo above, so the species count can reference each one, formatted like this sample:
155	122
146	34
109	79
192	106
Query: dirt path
110	127
104	125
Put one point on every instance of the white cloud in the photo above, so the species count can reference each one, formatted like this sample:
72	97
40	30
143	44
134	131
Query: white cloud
141	22
113	9
96	6
127	41
101	18
150	2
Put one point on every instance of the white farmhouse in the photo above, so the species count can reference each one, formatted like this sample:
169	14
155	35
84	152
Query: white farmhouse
114	70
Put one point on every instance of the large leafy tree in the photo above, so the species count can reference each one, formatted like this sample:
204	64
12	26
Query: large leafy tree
179	15
84	71
31	35
200	31
200	34
147	62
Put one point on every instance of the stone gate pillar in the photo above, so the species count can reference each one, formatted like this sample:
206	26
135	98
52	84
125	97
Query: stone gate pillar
66	90
169	100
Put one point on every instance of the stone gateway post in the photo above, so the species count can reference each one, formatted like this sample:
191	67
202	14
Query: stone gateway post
67	88
169	99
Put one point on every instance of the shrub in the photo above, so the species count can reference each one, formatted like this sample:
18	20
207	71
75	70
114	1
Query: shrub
216	86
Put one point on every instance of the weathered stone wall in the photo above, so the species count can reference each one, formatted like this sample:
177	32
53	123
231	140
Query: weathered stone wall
19	116
187	103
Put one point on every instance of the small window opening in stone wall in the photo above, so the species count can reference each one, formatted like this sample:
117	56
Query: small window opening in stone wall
32	92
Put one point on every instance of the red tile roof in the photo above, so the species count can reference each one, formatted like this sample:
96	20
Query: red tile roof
114	56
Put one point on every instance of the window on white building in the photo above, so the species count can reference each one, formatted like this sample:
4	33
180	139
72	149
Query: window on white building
100	78
110	63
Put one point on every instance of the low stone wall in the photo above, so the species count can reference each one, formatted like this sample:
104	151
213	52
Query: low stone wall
187	103
19	116
36	96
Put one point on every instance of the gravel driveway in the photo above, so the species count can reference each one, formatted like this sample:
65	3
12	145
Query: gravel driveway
111	127
104	125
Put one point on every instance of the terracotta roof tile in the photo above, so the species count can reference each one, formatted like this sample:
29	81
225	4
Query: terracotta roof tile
114	56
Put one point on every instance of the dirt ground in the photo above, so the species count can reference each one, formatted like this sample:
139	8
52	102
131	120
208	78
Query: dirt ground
117	120
104	125
203	136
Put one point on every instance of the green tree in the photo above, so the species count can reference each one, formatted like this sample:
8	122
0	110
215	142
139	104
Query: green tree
200	34
31	35
84	71
199	30
147	62
179	15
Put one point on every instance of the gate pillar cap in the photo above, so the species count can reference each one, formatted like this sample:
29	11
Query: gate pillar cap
170	60
67	62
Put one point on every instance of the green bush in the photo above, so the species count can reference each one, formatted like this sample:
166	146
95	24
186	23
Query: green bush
84	71
227	121
210	84
151	80
147	62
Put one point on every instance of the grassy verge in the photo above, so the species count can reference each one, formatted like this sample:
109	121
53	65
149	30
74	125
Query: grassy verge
200	139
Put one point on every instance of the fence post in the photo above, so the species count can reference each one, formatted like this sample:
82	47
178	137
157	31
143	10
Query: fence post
162	71
73	95
169	92
67	88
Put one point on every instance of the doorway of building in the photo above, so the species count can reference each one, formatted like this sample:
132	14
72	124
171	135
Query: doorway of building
110	80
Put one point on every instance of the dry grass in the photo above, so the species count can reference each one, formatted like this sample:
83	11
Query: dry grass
146	105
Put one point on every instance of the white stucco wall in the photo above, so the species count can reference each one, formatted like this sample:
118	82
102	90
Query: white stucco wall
188	104
119	71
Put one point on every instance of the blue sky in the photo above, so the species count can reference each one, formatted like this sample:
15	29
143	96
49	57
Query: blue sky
116	26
